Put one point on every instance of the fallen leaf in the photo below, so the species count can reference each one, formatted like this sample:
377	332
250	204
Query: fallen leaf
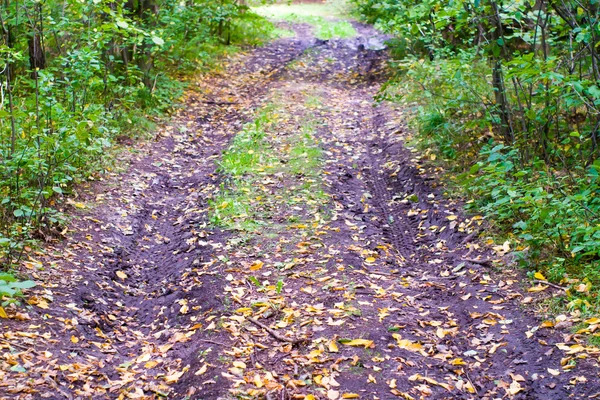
202	370
121	275
538	275
514	388
333	348
174	376
358	342
256	265
537	288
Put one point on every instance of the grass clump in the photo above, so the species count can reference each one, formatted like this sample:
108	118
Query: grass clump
269	167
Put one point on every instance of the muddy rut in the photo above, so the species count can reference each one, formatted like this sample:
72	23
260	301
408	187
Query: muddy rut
366	281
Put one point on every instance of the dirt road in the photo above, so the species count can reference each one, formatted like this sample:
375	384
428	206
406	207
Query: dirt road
327	265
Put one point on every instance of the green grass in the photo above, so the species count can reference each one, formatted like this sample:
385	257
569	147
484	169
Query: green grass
338	9
283	33
259	156
320	16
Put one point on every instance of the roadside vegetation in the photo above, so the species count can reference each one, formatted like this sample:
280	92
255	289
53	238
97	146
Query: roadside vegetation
79	77
507	95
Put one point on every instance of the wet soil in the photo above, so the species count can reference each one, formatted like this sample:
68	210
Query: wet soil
146	298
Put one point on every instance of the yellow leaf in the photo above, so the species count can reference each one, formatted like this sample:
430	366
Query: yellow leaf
592	321
174	376
121	275
256	265
309	397
537	288
202	369
419	377
350	396
165	347
451	217
42	304
151	364
458	361
370	260
359	342
3	313
407	344
257	381
239	364
554	372
333	348
538	275
79	205
470	388
547	324
515	387
402	395
74	339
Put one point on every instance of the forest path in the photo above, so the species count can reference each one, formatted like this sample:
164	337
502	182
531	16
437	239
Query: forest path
319	262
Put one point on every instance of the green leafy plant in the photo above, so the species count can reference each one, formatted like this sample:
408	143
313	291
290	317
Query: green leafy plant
11	288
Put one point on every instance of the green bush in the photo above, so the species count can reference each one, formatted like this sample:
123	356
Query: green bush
507	94
78	74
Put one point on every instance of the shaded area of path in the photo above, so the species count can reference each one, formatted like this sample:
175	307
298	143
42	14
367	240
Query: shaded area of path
384	292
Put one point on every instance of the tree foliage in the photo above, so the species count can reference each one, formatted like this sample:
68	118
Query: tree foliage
77	74
510	92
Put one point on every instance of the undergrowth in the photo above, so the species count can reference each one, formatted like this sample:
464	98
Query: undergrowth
67	104
515	127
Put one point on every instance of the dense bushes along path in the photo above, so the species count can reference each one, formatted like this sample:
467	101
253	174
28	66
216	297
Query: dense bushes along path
278	241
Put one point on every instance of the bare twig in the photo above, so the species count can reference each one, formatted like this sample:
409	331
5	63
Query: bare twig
275	334
211	341
485	263
554	285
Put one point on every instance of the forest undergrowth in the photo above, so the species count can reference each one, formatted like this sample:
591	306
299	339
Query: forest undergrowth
505	97
82	81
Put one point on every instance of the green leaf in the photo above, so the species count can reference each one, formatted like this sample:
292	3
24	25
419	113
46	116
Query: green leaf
158	41
18	368
474	169
255	281
57	189
7	277
23	284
